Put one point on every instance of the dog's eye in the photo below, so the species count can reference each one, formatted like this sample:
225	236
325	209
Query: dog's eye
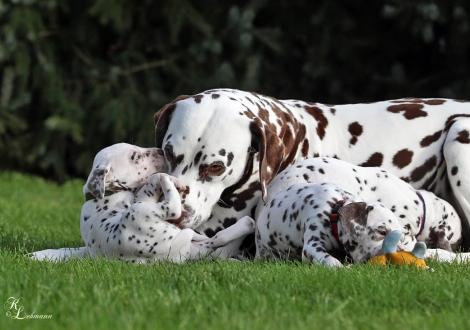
382	231
216	168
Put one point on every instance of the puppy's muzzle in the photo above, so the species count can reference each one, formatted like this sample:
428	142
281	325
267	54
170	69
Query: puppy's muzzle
186	214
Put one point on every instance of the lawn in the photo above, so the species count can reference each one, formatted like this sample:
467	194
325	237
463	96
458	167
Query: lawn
101	294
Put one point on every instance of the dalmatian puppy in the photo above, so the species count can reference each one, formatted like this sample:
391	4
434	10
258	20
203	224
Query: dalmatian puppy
133	215
320	205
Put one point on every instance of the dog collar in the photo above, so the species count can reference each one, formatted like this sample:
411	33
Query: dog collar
423	217
334	219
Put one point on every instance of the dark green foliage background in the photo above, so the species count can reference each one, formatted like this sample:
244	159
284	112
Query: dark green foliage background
76	75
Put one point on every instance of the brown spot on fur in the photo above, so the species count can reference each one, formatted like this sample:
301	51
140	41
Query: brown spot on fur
419	172
249	114
322	121
430	139
463	137
374	160
356	130
434	102
198	98
305	148
402	158
418	100
263	114
410	110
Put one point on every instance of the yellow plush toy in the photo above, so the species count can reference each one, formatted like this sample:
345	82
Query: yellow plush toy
390	256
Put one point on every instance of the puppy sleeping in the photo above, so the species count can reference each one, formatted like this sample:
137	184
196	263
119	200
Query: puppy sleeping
129	210
318	206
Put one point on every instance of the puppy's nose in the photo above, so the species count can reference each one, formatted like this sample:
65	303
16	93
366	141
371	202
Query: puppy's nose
184	191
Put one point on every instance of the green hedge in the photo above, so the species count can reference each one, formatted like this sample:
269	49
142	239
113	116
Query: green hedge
77	75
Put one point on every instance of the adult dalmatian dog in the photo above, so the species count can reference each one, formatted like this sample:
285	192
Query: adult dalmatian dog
129	209
227	145
323	205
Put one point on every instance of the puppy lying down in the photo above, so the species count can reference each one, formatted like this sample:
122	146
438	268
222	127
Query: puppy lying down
132	210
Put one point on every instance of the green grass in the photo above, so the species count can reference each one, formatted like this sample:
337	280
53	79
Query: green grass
97	294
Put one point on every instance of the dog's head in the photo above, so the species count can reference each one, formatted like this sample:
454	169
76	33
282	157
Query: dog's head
224	148
122	166
364	227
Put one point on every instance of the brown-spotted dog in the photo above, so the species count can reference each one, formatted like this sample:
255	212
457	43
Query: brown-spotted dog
130	209
242	140
321	205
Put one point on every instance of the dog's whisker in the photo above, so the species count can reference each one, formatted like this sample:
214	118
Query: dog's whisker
221	201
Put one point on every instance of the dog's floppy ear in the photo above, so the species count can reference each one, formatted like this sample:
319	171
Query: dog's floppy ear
161	119
275	150
97	181
353	212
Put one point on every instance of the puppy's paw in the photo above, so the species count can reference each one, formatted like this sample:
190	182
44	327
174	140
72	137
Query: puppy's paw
180	186
332	262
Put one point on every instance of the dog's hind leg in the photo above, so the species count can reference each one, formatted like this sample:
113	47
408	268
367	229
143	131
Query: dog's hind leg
58	255
441	255
457	157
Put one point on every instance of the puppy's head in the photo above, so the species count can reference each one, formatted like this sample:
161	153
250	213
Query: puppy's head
363	228
122	166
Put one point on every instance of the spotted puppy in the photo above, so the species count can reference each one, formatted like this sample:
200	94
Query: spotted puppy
321	205
128	212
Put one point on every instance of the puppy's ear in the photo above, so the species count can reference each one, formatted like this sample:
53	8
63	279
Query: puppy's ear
162	117
353	212
97	181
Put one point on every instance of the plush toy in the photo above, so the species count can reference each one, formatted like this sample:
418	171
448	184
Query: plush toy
390	256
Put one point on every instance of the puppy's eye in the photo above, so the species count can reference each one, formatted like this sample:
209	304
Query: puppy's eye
382	231
216	168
